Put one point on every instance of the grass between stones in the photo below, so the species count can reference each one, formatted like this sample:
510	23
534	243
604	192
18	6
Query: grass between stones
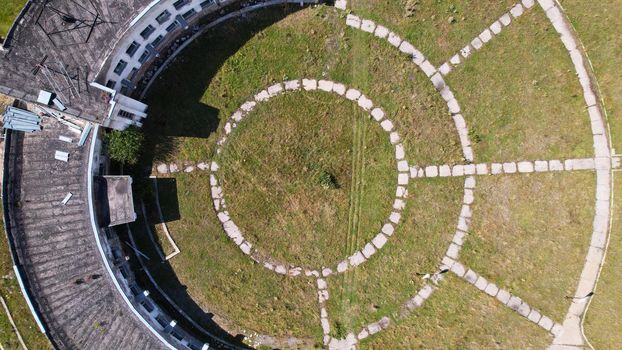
270	171
10	291
220	71
219	278
598	29
380	286
8	11
520	96
602	322
439	29
458	316
530	235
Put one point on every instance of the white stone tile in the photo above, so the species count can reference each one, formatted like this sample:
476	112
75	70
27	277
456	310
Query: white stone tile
407	48
325	85
399	151
395	217
525	167
387	125
275	89
444	170
541	165
399	204
292	85
381	32
509	168
455	59
353	94
394	138
431	171
453	251
459	237
528	3
453	106
469	169
545	323
457	170
377	113
402	166
341	4
517	10
534	316
481	283
466	51
477	43
496	27
458	269
368	26
309	84
486	35
481	169
379	241
402	179
353	21
491	289
445	68
262	96
368	250
428	68
340	89
365	103
503	296
555	165
505	19
394	39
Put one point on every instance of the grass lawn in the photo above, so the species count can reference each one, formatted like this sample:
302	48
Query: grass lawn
458	316
530	235
602	322
384	283
220	71
598	28
439	29
10	291
520	96
8	11
271	167
219	278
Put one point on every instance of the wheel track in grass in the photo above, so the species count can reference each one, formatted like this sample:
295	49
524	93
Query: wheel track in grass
354	224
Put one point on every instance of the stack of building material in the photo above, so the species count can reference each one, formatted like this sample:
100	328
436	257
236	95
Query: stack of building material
21	120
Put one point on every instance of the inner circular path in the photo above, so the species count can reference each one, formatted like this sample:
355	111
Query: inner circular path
344	221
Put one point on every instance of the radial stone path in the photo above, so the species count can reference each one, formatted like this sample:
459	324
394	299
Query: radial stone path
568	333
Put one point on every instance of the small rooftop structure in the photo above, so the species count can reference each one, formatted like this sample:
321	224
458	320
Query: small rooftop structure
120	204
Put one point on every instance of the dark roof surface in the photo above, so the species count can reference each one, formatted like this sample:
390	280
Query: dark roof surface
60	45
56	247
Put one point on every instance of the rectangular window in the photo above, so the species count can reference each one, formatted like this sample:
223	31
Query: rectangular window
207	3
189	14
120	67
132	73
179	4
144	57
131	50
111	84
157	41
147	305
125	114
171	27
147	31
163	17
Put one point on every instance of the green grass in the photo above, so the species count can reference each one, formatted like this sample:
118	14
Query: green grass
10	291
217	74
530	235
598	28
520	95
458	316
8	11
429	28
384	283
602	320
270	171
244	296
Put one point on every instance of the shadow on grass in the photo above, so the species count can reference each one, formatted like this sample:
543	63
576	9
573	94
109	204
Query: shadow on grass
176	110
